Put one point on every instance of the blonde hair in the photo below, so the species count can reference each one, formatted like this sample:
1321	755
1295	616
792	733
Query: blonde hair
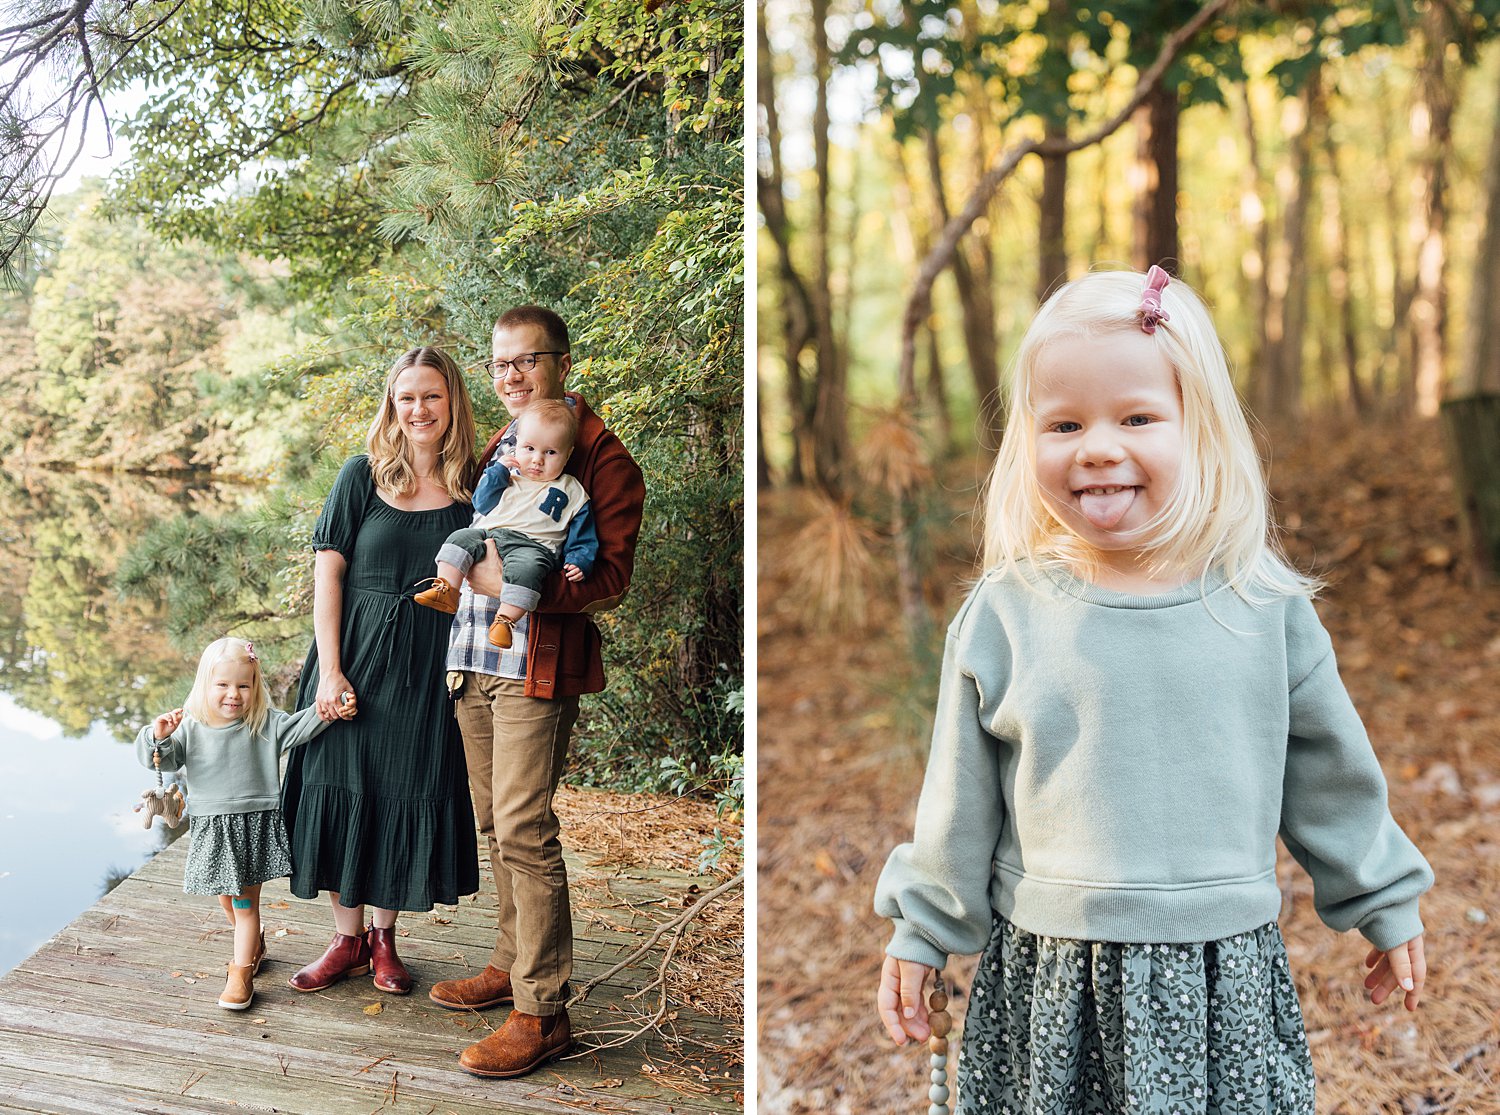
1218	519
230	649
553	413
389	452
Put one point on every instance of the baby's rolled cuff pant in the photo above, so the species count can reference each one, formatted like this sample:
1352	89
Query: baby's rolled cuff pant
526	562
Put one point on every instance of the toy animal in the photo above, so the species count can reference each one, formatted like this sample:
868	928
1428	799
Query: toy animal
164	802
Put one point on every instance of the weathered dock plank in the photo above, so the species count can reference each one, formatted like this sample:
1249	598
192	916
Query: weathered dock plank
117	1013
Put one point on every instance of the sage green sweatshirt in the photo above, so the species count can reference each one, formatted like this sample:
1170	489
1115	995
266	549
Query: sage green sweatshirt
1112	767
229	770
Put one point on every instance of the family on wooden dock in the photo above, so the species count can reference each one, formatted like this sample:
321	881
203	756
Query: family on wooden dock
421	693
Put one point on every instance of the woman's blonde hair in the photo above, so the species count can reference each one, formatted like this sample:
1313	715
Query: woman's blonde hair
389	452
1218	519
230	649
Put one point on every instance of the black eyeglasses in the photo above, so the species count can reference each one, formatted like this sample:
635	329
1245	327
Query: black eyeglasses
523	363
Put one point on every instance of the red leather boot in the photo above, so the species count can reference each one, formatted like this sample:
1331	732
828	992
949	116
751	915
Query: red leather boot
390	974
346	956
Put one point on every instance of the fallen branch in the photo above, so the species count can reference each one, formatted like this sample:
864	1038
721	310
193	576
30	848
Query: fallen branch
677	927
681	920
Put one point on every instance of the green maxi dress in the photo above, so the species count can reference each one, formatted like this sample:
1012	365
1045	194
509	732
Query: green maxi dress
377	808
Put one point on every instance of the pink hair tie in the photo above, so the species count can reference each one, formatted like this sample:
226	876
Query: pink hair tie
250	650
1152	314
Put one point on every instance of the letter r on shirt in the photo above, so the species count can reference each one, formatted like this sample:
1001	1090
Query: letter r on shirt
553	503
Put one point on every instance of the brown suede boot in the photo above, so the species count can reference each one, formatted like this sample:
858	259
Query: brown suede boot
500	634
346	956
522	1044
441	596
239	988
390	974
489	988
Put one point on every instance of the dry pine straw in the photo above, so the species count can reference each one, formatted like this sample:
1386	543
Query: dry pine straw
1419	648
618	832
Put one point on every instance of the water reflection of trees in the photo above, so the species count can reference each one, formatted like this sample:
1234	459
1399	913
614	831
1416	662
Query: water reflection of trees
71	648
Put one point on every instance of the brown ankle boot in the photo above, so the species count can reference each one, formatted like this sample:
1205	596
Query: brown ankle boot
523	1043
500	634
390	974
346	956
442	596
489	988
239	988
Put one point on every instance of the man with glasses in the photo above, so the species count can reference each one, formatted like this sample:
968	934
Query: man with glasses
517	705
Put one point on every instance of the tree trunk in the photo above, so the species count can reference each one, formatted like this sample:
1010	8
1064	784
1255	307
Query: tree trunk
1480	370
937	389
830	409
1156	163
1286	310
1391	380
1052	248
1432	129
1472	428
977	309
796	307
1336	244
1254	262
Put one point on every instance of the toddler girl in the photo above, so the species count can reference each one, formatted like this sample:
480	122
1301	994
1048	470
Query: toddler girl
228	738
1137	698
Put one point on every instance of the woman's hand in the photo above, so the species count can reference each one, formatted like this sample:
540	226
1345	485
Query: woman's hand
165	724
1404	966
330	698
487	576
902	999
572	572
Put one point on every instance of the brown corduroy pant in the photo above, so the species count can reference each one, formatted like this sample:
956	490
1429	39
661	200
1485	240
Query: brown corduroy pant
515	746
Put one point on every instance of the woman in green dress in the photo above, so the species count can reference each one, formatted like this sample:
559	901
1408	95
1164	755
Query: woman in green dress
378	808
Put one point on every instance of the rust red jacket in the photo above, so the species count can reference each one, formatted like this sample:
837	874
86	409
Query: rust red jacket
563	656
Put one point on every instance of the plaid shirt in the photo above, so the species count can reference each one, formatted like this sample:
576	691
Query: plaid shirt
469	646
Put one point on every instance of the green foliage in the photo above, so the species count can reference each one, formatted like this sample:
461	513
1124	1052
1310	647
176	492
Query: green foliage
137	355
406	172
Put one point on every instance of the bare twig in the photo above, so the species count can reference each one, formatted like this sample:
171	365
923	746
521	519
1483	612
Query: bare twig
681	920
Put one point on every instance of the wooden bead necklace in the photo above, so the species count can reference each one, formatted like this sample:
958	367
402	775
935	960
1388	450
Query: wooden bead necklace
940	1022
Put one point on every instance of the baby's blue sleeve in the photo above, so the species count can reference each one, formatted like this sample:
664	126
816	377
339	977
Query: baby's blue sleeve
492	483
581	546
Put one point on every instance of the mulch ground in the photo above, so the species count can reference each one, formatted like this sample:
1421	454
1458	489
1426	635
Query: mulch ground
844	711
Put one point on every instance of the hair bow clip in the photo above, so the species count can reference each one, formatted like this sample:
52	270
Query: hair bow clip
250	651
1152	314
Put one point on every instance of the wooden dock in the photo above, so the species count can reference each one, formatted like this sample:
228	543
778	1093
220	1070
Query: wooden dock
118	1013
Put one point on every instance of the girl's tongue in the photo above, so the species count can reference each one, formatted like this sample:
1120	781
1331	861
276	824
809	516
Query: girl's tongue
1105	510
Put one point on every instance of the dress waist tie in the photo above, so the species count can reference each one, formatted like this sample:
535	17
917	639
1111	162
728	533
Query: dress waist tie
398	621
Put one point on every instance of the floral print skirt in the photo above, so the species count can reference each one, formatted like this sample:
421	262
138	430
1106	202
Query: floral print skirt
232	851
1064	1027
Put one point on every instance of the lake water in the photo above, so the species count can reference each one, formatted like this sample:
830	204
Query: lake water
81	670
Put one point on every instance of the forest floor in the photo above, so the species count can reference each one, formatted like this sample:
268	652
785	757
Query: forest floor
843	718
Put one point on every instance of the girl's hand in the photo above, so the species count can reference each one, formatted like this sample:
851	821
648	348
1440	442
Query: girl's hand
1404	966
165	724
348	706
331	689
572	572
902	999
